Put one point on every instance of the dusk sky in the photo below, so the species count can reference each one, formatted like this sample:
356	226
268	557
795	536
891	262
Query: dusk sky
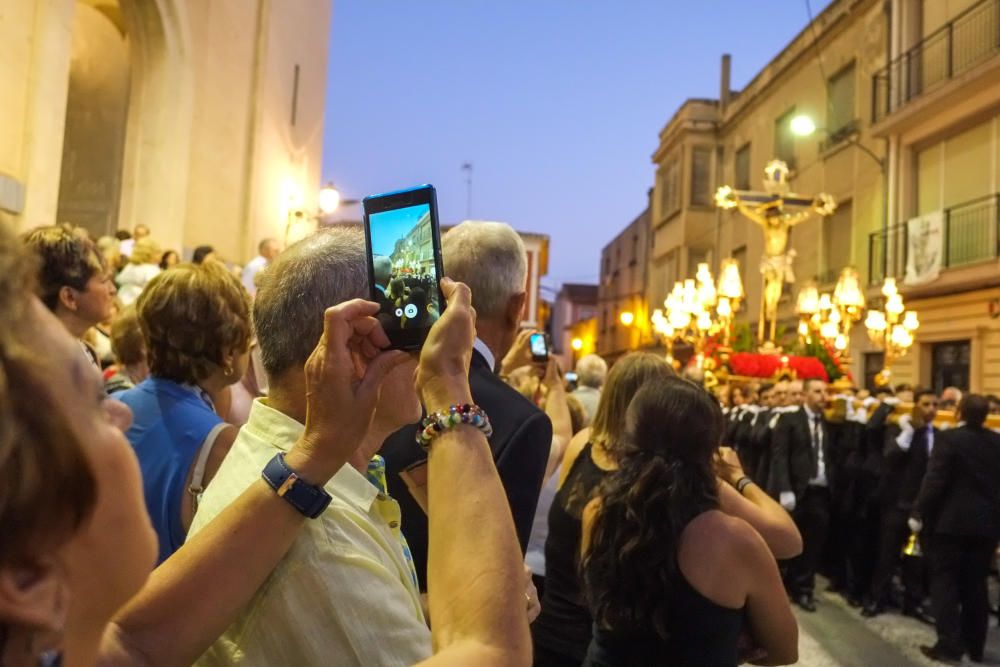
557	104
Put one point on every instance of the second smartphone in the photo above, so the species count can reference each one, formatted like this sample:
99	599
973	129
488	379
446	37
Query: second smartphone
403	236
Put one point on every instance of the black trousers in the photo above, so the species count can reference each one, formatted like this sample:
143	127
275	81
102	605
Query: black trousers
863	540
959	568
895	532
812	517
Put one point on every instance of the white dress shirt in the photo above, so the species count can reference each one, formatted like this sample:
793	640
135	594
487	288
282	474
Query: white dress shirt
816	441
483	349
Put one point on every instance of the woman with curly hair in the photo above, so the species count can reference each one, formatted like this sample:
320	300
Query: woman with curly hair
195	320
671	579
563	630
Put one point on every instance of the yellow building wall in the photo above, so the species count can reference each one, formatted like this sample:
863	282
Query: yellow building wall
962	316
842	170
34	73
211	152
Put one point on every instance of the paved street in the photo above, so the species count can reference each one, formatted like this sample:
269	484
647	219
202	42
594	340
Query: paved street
837	636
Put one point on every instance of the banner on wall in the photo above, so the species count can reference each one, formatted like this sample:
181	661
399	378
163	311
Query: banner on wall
924	248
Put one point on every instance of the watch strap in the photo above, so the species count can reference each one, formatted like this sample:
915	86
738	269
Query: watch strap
307	498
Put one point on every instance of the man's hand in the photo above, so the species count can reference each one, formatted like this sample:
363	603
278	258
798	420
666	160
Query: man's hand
443	373
552	378
519	353
787	500
915	524
343	377
728	466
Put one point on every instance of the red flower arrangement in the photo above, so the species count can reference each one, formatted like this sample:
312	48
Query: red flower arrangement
768	365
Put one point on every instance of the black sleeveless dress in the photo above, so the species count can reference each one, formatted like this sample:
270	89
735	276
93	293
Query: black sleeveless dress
702	634
562	631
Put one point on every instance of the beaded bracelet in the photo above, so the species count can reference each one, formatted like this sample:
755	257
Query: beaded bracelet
437	423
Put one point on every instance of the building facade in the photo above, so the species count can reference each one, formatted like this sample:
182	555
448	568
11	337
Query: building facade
576	302
201	120
937	105
621	295
906	97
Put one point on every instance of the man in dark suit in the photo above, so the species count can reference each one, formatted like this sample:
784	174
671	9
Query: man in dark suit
908	448
743	439
489	258
959	508
800	475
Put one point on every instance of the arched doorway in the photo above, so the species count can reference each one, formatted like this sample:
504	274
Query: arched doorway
96	115
126	149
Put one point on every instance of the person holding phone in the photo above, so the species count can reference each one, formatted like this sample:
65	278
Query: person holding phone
65	568
666	571
356	550
490	258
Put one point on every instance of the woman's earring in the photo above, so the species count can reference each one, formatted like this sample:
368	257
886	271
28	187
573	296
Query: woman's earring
227	371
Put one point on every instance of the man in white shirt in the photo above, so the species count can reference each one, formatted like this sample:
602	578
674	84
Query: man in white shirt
267	250
346	593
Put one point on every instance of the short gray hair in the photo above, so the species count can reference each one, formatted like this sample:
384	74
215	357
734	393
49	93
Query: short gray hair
490	258
298	286
591	371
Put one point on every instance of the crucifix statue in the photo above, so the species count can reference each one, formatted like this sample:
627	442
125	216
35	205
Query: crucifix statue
776	210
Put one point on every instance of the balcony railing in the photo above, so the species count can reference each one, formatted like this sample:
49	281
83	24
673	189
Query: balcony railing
964	42
971	235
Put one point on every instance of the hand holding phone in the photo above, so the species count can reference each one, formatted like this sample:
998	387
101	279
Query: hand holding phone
403	239
539	347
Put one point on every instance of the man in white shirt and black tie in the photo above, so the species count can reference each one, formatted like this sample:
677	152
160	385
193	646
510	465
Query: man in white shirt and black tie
800	477
908	448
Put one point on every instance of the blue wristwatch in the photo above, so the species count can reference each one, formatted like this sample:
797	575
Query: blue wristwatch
308	499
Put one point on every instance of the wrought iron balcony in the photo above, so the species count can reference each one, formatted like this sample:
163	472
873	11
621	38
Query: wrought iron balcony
970	234
958	46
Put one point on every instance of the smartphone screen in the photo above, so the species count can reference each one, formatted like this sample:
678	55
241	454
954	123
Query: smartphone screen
539	347
404	261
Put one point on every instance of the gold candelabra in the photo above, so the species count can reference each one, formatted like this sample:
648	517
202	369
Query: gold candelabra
831	317
892	329
699	308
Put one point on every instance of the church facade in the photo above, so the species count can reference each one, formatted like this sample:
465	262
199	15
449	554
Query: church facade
200	120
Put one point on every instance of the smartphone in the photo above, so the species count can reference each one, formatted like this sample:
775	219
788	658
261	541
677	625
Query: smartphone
571	377
403	238
539	347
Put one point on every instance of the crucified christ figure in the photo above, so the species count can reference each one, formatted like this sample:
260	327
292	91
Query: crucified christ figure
774	211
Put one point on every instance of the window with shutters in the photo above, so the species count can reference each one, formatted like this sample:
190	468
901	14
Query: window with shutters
742	167
670	189
840	119
784	139
701	176
836	243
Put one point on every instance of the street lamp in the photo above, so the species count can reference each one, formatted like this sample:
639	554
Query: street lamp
892	329
577	344
804	126
627	317
329	198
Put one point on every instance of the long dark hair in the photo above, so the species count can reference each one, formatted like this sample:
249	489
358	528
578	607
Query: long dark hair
665	478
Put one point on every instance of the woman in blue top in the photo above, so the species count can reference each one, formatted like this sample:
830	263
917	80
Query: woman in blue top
196	323
671	580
